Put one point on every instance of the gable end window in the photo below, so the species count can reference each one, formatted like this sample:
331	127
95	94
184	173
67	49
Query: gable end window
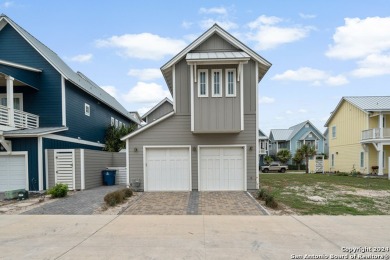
231	82
87	109
216	83
203	83
333	131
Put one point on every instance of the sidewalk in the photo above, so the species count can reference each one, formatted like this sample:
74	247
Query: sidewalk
189	237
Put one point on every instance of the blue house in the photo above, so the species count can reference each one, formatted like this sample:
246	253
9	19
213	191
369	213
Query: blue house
45	105
294	137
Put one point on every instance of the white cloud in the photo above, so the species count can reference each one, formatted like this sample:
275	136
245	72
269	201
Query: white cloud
359	38
373	65
267	35
145	74
302	74
110	90
302	110
266	100
289	112
224	23
337	80
307	16
315	76
143	45
146	93
279	117
213	10
82	58
186	25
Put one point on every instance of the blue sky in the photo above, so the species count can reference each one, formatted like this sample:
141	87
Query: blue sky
320	50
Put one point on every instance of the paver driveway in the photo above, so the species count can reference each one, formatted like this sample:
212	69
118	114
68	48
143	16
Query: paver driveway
195	203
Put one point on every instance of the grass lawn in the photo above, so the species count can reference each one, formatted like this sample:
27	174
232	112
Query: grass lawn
317	194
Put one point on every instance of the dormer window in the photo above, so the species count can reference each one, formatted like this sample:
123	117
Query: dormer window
203	83
216	83
87	109
231	82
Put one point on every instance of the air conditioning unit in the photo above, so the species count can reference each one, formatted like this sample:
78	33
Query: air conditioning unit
8	143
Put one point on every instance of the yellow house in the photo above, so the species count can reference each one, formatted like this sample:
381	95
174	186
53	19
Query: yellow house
359	135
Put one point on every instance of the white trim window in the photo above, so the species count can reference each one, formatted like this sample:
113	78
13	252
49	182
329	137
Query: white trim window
333	131
18	101
231	82
332	160
112	121
87	109
203	83
216	83
361	159
116	123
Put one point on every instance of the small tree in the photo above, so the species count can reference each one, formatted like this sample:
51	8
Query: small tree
298	158
283	156
113	136
268	159
307	152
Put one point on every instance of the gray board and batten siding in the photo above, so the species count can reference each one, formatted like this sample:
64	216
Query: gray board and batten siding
94	163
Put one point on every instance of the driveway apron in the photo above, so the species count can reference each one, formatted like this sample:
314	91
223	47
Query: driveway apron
195	203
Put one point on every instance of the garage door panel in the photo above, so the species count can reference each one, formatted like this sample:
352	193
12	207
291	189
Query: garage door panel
221	168
167	169
12	172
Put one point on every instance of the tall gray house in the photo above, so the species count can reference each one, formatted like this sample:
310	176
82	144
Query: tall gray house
209	142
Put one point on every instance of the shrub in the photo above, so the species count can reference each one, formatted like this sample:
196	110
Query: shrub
270	201
128	192
117	197
60	190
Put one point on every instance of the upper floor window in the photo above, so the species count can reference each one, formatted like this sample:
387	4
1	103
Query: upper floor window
18	100
87	109
230	82
333	131
112	121
216	83
203	83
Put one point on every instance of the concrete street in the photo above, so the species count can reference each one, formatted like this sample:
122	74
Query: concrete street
188	237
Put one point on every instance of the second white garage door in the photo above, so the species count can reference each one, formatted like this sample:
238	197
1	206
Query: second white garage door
167	169
221	168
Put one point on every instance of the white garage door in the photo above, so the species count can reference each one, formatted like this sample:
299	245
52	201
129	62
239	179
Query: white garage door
222	168
12	172
167	169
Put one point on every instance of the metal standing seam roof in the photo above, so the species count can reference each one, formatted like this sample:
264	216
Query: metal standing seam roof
224	55
135	117
34	131
373	103
364	103
281	134
78	79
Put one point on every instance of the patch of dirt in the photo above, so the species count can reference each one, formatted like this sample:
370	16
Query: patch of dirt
15	207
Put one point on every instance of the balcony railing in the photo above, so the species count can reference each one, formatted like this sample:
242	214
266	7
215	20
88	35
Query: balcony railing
376	133
21	119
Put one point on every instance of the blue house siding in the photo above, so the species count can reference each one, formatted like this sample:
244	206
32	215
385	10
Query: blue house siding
303	132
28	77
57	144
47	101
93	127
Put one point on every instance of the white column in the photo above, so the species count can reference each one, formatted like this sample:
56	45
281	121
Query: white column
10	100
380	159
381	125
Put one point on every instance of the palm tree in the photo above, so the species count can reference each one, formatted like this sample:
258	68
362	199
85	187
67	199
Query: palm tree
298	158
283	156
307	152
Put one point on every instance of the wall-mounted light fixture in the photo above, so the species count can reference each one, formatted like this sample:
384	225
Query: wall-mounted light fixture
135	149
194	149
250	148
337	152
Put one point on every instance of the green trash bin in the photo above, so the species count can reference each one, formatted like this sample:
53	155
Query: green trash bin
108	177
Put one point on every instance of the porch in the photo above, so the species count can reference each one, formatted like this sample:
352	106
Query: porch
376	133
17	118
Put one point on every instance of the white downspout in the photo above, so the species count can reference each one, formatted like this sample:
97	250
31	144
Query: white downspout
10	100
